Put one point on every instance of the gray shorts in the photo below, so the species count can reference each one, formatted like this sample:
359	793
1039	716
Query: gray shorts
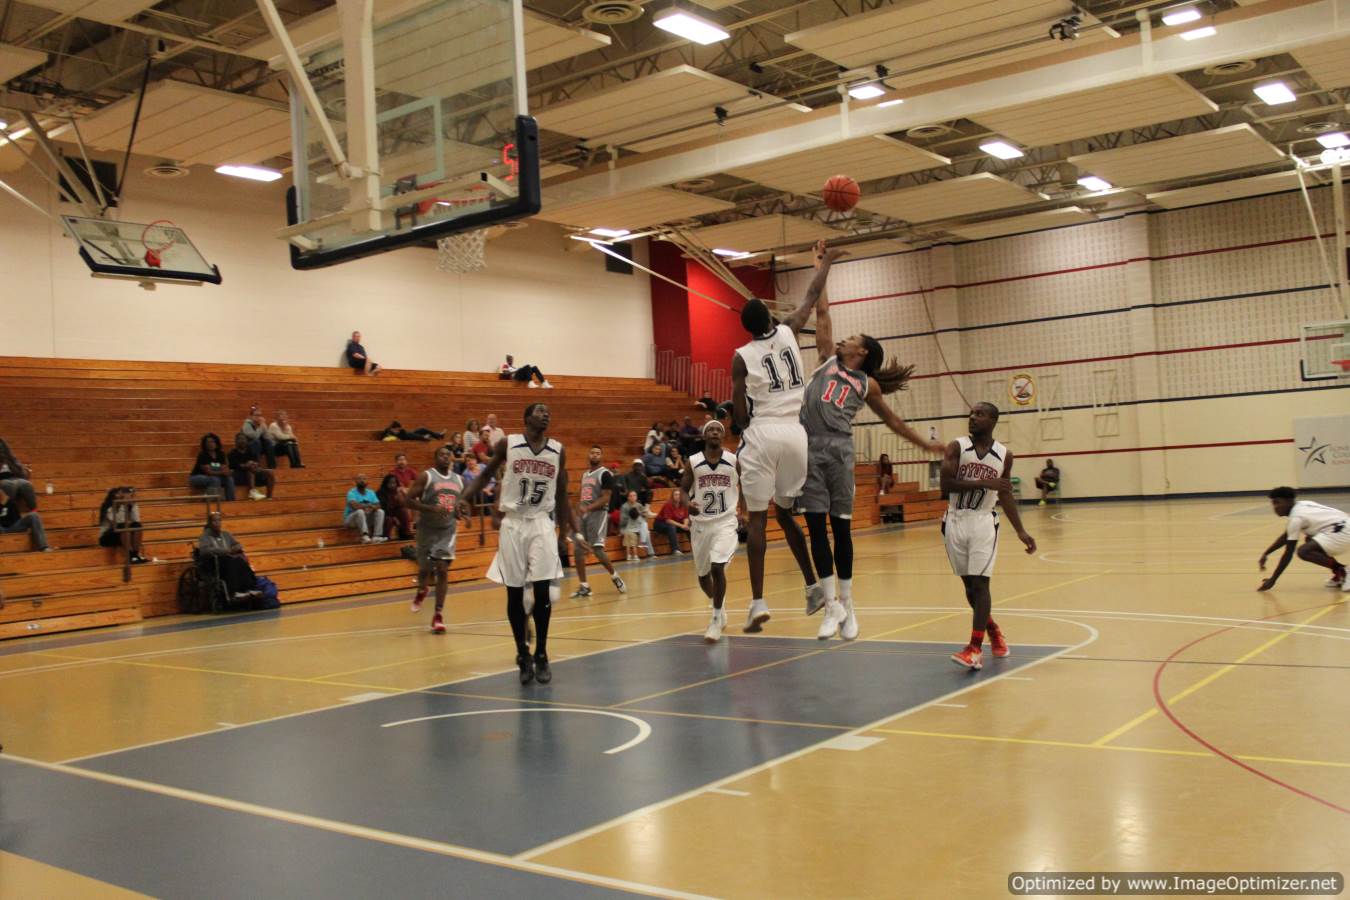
435	544
829	484
595	528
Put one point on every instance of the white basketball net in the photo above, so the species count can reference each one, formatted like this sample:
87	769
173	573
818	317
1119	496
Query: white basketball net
462	252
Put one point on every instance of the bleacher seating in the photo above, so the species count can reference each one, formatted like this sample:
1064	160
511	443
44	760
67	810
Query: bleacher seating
86	425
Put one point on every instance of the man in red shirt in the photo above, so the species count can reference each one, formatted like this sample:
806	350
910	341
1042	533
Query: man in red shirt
405	473
673	519
483	449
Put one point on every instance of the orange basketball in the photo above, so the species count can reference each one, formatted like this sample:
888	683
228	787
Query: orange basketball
840	193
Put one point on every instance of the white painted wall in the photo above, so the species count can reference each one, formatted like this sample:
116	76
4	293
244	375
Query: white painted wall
558	309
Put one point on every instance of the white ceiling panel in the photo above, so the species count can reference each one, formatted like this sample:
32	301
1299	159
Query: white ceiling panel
191	124
14	61
950	198
1234	147
763	233
633	211
1037	221
862	159
1328	64
669	107
1232	190
925	34
545	41
1116	107
108	11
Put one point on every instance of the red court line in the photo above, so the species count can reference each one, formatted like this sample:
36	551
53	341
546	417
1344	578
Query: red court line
1167	711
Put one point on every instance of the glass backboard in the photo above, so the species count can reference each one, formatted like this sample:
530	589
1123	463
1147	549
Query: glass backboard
447	130
147	252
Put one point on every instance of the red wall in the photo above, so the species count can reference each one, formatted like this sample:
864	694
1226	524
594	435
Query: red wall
670	304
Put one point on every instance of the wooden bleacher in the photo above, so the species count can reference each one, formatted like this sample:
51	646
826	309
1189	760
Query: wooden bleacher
87	425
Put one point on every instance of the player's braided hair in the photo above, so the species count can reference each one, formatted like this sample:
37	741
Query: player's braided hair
891	377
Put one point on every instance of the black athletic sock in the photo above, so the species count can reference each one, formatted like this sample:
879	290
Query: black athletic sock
515	614
820	545
542	613
843	545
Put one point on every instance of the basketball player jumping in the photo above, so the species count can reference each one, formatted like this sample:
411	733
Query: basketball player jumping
975	476
533	485
1327	530
596	485
850	373
713	485
767	385
436	495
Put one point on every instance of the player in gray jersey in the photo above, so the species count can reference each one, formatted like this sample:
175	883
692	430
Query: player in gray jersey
597	482
850	374
436	495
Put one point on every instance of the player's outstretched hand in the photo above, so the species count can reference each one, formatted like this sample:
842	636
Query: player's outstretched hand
1029	541
1266	585
1261	563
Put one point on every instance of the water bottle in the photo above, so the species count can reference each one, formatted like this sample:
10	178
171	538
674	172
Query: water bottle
321	544
51	488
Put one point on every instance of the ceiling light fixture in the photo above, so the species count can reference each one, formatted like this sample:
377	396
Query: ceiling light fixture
1181	16
889	103
866	91
1274	93
1093	183
1334	140
1196	34
689	26
732	254
611	232
252	173
1001	150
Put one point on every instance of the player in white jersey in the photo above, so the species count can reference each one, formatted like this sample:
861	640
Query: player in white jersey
768	379
712	483
1328	536
533	484
849	375
436	495
976	473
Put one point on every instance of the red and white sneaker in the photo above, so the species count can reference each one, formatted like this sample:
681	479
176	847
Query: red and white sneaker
998	644
417	600
437	624
968	657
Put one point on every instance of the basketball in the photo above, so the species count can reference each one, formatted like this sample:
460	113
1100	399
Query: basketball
840	193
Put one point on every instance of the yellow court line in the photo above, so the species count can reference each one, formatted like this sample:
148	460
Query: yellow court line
1211	677
1080	746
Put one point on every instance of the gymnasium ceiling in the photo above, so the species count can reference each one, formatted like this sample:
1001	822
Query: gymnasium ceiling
1161	139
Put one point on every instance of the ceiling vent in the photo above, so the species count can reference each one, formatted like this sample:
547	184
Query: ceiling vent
612	12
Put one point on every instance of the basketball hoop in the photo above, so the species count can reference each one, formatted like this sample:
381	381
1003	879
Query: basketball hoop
463	252
157	238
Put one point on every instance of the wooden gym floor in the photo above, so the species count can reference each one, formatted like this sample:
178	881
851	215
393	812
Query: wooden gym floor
1157	714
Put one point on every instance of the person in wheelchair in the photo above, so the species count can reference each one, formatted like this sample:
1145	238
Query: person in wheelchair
218	553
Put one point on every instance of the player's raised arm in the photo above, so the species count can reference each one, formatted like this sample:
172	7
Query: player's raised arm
489	472
740	411
797	321
950	484
824	327
1009	504
893	420
563	504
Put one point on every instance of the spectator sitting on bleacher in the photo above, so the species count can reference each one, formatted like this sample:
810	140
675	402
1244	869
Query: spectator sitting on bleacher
885	474
212	473
396	432
13	521
482	448
259	439
356	356
456	447
472	467
403	473
248	472
1048	480
691	439
363	512
635	480
675	459
219	547
671	435
495	434
673	519
15	479
653	437
633	517
396	515
120	523
284	439
509	371
656	464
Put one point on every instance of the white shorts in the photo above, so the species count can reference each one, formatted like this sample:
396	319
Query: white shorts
772	457
1334	543
712	543
527	551
972	542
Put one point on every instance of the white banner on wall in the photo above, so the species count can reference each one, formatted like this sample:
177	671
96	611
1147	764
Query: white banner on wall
1322	447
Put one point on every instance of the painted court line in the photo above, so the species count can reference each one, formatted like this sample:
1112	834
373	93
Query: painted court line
644	730
850	742
357	831
369	695
729	792
952	705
